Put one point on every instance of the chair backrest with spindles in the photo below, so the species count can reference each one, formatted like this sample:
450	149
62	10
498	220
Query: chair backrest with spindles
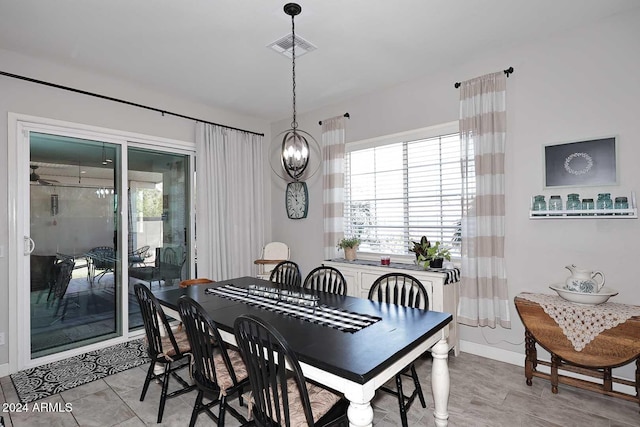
400	288
326	279
287	273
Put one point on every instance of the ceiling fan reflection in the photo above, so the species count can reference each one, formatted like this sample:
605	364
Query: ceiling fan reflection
35	178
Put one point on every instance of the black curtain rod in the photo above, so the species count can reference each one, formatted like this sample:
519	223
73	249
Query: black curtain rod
344	115
507	72
122	101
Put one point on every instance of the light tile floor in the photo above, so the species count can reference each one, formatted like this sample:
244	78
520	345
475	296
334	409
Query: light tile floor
484	392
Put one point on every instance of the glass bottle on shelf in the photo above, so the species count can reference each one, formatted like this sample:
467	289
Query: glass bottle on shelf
604	201
621	203
573	203
587	204
539	205
555	204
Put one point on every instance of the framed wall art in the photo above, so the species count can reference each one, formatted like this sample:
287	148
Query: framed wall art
581	163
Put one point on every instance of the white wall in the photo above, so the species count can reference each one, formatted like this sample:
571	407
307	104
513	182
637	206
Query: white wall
575	85
22	97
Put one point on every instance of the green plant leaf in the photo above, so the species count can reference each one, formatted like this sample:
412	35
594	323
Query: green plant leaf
348	242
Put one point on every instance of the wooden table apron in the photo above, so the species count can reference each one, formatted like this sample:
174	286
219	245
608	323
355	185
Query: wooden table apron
611	348
356	364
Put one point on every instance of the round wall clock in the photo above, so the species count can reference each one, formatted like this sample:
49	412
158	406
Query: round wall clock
297	200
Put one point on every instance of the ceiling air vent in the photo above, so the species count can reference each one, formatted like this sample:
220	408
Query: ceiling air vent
285	44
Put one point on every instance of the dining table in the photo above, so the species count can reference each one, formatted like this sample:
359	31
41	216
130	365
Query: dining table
351	345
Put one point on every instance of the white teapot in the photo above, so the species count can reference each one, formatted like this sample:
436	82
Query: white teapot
583	280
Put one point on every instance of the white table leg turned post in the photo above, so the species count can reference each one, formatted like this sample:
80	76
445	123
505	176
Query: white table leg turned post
360	411
440	382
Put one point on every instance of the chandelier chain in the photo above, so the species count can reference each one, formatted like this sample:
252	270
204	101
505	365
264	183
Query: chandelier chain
295	149
294	123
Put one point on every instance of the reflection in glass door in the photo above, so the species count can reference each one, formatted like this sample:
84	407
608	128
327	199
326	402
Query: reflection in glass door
159	221
74	268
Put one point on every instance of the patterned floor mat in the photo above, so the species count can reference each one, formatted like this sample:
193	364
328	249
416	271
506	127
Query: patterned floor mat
43	381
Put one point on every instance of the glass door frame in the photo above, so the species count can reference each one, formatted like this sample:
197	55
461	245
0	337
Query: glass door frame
19	127
86	222
190	202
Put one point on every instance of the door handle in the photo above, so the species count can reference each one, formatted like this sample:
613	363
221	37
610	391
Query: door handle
29	245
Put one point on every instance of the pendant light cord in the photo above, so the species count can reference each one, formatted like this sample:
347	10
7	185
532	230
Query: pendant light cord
294	123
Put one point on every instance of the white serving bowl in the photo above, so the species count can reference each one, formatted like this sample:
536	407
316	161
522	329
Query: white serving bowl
586	298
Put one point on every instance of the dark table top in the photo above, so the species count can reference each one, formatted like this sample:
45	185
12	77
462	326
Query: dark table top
357	356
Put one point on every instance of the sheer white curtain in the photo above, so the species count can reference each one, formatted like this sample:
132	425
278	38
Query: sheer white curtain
484	299
229	219
333	137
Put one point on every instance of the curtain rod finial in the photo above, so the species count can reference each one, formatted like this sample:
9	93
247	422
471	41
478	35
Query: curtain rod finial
507	72
344	115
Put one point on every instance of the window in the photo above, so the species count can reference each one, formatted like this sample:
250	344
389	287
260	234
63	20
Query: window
402	187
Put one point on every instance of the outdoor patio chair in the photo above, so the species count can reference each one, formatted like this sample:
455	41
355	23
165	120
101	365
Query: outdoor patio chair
170	261
138	257
62	272
167	267
100	260
41	272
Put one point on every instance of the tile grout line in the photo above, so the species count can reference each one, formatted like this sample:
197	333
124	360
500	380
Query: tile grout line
125	403
65	401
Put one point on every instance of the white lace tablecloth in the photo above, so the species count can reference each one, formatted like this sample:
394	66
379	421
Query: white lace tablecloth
582	323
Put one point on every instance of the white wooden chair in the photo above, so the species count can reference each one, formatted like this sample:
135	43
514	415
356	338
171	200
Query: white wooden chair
272	254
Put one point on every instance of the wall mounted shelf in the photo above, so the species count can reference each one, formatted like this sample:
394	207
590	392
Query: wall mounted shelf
586	214
629	213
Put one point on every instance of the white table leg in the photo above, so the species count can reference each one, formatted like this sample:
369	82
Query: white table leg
440	383
359	413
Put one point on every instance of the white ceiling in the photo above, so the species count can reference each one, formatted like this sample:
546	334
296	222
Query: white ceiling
214	51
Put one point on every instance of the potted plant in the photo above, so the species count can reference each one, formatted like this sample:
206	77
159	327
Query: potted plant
420	248
430	256
437	254
350	246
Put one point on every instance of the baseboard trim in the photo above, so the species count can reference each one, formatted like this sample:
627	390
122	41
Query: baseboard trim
517	359
494	353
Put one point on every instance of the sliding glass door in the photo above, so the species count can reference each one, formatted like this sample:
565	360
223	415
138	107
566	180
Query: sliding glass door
104	214
159	226
75	263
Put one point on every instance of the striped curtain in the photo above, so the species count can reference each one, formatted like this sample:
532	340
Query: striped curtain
333	137
484	299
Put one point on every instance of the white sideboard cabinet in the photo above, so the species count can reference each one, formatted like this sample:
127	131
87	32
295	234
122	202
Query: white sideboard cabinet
442	297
